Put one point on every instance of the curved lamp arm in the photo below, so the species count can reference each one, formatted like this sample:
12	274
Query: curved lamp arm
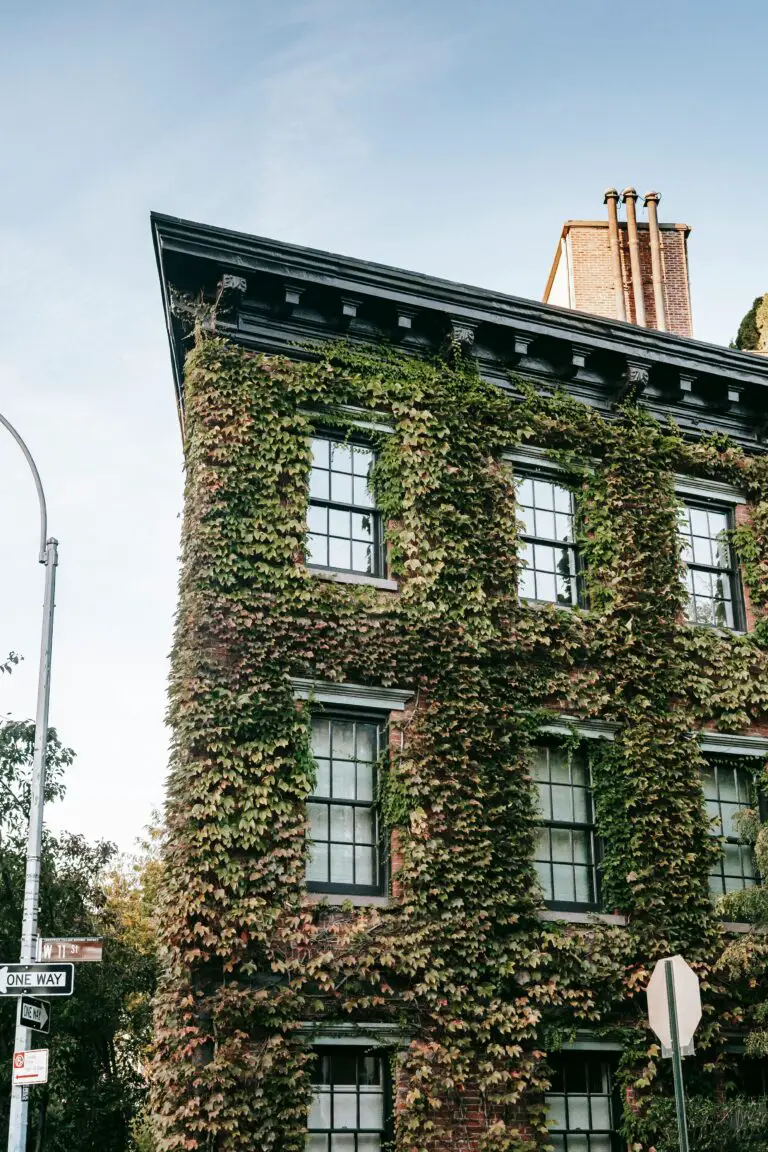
38	485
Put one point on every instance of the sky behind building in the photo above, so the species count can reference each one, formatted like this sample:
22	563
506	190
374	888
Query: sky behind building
450	137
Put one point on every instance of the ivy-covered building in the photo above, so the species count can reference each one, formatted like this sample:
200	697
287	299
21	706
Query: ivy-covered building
469	689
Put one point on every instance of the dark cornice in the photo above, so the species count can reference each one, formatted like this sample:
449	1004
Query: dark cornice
281	295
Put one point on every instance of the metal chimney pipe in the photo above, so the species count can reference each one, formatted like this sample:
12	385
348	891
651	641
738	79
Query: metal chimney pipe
651	202
611	198
629	196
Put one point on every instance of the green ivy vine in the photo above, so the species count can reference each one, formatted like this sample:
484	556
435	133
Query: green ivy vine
459	962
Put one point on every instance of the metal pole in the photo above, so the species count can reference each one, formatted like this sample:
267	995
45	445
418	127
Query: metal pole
49	556
677	1063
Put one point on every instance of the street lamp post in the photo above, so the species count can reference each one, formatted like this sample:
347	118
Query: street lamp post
48	555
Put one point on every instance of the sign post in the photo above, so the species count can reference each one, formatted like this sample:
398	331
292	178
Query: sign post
677	1062
674	1011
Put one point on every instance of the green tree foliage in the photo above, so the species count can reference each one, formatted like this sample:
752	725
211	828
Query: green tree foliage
458	961
750	338
99	1035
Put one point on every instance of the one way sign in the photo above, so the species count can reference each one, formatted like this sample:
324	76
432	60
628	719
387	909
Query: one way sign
35	1014
46	979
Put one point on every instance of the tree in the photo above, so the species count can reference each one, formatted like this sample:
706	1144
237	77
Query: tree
98	1036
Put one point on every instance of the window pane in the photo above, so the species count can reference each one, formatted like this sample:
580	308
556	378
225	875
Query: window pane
362	526
319	485
339	523
546	588
367	741
341	458
564	888
317	814
545	524
323	782
368	1142
580	810
344	1109
341	487
341	864
320	1111
363	493
526	584
561	845
556	1111
365	868
544	876
601	1113
317	864
343	735
317	550
317	1142
364	825
543	494
362	558
371	1108
320	453
342	1143
318	519
339	553
364	781
342	822
562	803
583	881
344	779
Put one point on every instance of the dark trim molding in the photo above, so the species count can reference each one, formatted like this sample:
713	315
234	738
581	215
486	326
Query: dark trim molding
275	297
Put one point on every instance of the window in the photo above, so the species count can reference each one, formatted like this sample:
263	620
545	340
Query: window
564	857
344	530
349	1110
547	541
727	789
711	577
343	813
581	1104
751	1077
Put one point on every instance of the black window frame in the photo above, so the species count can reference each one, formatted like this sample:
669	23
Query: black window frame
594	844
732	573
353	440
551	476
755	799
584	1060
360	1051
381	854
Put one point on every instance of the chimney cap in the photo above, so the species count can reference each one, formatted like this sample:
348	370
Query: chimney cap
656	196
629	193
610	194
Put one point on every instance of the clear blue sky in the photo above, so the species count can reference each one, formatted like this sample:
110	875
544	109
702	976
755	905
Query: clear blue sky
447	136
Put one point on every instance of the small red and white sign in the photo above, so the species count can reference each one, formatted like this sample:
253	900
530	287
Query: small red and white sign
30	1067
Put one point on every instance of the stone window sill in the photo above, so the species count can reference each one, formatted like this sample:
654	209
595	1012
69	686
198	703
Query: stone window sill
355	578
336	899
583	917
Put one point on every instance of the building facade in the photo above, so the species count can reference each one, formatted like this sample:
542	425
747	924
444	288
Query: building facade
469	690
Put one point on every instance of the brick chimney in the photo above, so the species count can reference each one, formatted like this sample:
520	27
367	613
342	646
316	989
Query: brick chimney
633	270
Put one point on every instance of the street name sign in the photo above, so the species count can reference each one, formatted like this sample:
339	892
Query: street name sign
75	949
30	1067
35	1014
45	979
687	1002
